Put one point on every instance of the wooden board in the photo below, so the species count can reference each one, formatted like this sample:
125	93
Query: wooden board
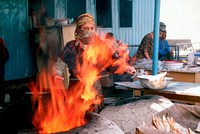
176	91
68	33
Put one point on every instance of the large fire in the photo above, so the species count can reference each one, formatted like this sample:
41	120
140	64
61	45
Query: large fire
65	109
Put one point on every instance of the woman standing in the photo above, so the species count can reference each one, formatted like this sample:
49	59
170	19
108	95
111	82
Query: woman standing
72	55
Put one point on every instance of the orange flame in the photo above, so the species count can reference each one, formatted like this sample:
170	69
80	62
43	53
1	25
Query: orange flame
63	109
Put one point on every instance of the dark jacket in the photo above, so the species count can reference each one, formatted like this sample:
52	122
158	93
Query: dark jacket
4	56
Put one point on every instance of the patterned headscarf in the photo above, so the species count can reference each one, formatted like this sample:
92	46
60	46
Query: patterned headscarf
84	18
81	34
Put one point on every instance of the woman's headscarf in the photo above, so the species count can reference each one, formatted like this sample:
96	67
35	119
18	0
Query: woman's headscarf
83	35
84	18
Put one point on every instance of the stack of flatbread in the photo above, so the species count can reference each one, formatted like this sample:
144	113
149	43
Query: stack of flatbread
158	81
164	125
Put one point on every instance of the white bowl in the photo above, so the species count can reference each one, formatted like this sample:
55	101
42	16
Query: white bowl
172	65
151	82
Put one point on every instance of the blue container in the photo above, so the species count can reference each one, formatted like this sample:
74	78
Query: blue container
197	54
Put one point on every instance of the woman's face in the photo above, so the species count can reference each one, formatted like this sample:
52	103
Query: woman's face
88	33
88	27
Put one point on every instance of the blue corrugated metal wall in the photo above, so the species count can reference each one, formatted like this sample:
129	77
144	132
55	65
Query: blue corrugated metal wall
13	29
143	17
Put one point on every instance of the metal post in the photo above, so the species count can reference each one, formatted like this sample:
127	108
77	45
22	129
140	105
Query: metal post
156	37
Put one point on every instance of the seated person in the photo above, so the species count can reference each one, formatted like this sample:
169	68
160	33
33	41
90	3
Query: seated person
164	50
145	49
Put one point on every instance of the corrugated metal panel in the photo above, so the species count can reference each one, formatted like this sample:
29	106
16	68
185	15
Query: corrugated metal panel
13	25
143	17
115	18
14	29
60	9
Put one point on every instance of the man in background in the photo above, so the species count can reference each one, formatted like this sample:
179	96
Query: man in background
164	50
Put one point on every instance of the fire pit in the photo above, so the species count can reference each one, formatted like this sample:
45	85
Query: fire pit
97	125
131	112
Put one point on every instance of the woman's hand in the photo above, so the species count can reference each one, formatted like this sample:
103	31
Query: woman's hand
57	79
130	70
171	53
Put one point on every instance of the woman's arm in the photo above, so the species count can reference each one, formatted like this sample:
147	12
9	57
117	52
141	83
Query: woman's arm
146	54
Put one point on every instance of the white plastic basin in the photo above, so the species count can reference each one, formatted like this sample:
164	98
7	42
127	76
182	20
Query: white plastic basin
172	65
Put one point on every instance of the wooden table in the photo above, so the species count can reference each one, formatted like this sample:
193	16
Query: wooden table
176	91
185	76
182	75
